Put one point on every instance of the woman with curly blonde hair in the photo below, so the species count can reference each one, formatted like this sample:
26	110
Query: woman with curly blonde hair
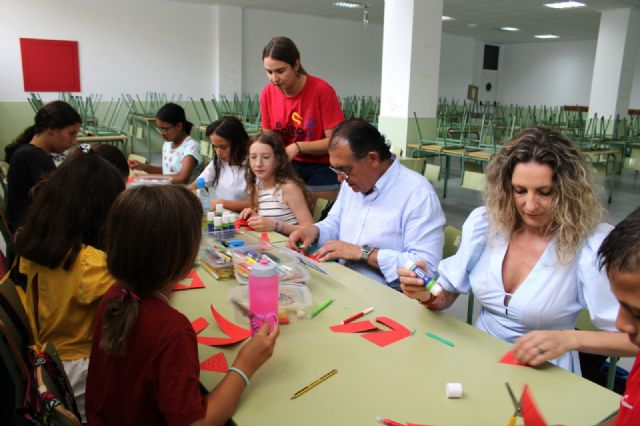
280	201
530	256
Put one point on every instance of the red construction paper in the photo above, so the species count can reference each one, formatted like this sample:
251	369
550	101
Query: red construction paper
199	324
196	282
243	224
265	237
236	333
530	412
384	338
354	327
217	363
510	358
50	65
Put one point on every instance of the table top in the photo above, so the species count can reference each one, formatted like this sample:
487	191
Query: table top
404	381
102	138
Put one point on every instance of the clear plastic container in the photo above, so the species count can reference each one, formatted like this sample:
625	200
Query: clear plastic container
291	297
216	261
151	180
288	268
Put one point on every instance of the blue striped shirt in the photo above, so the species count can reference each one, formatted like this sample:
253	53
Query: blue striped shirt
402	217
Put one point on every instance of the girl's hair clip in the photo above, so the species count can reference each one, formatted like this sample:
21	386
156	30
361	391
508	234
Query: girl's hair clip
85	147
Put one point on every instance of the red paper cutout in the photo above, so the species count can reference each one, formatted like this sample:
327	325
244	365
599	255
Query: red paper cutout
530	412
199	324
384	338
243	224
235	332
217	363
510	358
265	237
354	327
196	282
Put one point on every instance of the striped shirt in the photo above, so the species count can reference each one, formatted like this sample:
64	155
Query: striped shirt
271	204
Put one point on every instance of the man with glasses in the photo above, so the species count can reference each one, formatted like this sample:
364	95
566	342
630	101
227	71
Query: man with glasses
387	214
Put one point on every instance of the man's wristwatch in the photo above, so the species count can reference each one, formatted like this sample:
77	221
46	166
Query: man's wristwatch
365	252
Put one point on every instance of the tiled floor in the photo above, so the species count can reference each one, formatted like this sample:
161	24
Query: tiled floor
460	202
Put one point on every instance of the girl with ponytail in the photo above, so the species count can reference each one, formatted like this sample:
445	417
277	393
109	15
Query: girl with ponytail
144	360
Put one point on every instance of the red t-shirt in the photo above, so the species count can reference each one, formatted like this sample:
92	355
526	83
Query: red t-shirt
302	117
156	381
629	413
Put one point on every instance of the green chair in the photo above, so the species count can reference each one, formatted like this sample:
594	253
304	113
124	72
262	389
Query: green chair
321	204
452	238
584	323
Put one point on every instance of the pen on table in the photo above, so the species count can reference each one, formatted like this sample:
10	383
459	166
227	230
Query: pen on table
320	308
387	422
314	384
440	339
358	315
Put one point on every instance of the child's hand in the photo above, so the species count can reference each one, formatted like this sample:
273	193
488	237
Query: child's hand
257	350
136	165
262	224
246	213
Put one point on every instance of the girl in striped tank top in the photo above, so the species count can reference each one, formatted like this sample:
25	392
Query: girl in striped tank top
280	201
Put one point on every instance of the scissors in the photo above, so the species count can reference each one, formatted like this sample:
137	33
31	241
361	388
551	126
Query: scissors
516	404
255	321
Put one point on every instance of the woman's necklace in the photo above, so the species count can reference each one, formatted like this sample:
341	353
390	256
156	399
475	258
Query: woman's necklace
161	296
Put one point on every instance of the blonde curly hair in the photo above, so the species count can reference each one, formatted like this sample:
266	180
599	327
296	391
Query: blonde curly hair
575	208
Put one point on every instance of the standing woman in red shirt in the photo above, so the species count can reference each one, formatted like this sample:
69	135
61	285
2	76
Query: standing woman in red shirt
304	109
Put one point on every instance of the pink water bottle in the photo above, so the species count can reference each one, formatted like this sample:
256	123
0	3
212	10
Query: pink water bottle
263	294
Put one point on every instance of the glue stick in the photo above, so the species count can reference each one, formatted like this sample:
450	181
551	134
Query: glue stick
427	278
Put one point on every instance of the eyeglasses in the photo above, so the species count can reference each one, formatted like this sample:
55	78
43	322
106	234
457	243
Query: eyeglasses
341	173
164	130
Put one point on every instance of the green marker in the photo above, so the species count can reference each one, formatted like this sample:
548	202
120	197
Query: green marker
440	339
320	308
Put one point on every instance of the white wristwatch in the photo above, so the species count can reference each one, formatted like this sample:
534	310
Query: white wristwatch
365	252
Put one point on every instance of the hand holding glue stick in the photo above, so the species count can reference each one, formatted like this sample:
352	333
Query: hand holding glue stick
426	275
418	282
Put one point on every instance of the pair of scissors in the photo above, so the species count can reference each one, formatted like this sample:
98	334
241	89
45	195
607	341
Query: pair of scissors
256	321
518	412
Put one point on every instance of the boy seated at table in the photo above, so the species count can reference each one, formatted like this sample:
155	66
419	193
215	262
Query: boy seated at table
620	254
144	366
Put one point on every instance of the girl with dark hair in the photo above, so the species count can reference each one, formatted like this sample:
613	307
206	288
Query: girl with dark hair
280	201
55	129
304	109
61	254
226	171
180	152
144	360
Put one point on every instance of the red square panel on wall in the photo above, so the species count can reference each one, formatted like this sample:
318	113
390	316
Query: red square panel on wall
50	65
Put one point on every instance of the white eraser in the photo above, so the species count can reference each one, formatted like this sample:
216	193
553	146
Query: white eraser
300	313
454	390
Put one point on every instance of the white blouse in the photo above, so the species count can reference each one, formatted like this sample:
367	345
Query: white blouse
232	184
549	298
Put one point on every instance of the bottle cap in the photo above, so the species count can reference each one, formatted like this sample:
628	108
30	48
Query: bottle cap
211	216
200	183
409	264
219	208
263	269
436	289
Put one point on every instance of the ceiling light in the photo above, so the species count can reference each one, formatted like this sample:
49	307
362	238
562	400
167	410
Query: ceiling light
509	29
546	36
565	4
448	18
348	4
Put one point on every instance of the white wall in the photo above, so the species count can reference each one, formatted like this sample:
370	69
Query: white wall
552	73
456	66
343	53
124	46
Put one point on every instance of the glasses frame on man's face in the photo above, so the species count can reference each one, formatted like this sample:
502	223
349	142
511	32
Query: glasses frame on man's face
164	130
341	173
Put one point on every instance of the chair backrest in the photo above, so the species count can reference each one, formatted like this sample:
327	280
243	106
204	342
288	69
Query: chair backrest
14	317
321	204
432	172
452	237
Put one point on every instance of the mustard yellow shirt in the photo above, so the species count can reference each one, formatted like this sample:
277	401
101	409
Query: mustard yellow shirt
67	301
